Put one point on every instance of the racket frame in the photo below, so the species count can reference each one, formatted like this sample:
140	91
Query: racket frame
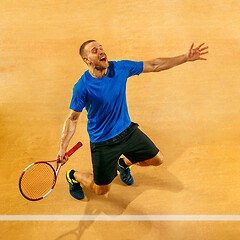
69	153
54	183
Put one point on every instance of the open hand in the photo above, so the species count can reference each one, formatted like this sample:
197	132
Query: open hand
196	53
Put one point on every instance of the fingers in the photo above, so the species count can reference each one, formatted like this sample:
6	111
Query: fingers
66	157
190	51
196	53
191	48
203	49
62	157
200	46
203	53
64	160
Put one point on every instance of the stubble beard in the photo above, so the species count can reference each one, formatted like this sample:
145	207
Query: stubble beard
101	68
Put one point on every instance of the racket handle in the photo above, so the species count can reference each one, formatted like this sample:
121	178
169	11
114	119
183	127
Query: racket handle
74	149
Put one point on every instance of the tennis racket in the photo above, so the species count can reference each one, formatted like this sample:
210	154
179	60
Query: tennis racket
39	178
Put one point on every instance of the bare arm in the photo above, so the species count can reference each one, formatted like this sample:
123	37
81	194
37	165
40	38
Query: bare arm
160	64
69	129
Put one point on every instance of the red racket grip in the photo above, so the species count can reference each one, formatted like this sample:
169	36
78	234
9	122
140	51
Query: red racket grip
74	149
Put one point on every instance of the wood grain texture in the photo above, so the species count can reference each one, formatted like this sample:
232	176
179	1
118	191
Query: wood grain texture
191	112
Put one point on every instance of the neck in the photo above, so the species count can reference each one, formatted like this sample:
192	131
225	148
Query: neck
98	73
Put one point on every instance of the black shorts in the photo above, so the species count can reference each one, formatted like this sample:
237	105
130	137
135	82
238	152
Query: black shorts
132	143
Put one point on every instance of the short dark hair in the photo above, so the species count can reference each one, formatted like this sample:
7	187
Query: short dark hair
82	48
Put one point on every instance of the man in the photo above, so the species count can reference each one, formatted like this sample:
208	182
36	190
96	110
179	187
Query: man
102	91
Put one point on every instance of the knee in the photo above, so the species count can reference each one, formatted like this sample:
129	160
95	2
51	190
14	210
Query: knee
156	161
102	190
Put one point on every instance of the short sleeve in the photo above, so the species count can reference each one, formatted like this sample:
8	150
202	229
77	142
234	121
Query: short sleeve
132	67
78	101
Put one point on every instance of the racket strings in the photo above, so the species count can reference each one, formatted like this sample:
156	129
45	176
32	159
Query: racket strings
37	181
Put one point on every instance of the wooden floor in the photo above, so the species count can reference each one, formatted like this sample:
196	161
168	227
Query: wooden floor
191	113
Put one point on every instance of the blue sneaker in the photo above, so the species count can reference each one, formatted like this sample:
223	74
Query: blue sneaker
74	187
125	174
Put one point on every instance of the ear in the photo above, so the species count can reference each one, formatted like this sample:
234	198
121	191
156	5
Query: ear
86	60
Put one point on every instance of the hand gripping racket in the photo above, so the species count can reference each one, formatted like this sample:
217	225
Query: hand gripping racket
39	178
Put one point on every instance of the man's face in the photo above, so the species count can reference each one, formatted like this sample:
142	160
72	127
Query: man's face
95	56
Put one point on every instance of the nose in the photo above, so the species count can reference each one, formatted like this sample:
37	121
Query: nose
100	51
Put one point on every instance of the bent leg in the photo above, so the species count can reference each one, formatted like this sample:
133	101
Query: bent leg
155	161
86	179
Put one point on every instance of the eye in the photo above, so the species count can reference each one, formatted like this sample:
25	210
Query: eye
94	50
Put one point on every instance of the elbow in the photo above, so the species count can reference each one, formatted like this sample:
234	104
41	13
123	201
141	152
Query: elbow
73	118
162	68
157	67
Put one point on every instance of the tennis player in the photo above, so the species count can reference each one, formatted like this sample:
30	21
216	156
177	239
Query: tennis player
102	91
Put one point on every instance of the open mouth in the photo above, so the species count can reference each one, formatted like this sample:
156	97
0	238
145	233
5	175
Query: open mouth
103	59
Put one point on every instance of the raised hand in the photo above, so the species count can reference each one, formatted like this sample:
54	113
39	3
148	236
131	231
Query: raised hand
196	53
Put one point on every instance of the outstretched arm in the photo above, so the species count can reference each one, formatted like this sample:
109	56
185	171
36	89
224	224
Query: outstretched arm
160	64
69	129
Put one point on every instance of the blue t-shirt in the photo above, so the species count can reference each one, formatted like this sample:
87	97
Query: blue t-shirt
105	99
